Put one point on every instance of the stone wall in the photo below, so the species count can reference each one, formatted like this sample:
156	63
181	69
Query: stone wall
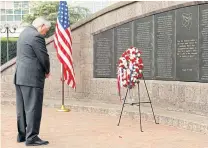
172	95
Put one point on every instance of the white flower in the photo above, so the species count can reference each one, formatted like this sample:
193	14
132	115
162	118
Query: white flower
128	71
122	59
139	54
124	82
132	56
125	64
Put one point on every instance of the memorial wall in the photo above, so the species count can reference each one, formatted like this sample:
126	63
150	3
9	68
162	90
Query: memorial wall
173	37
174	45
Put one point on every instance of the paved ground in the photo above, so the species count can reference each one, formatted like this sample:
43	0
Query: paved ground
85	130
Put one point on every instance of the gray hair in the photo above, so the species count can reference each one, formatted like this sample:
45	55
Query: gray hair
41	21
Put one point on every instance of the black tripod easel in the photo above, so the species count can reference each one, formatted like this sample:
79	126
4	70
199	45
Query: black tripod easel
138	104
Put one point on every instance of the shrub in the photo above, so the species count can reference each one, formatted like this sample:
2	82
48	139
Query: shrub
12	49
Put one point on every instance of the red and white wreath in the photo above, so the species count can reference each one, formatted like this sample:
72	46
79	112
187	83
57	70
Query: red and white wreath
130	66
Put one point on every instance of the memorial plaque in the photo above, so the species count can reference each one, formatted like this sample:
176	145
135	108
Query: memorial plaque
187	51
203	43
123	40
174	45
103	55
165	45
143	39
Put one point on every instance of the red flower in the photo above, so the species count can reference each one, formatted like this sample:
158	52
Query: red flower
133	60
140	60
127	58
120	61
140	75
122	66
136	64
141	66
124	54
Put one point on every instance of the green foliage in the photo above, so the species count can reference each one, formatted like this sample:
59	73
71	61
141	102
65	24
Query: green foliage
12	49
50	11
10	39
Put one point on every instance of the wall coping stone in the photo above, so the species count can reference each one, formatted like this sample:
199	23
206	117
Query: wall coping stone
101	12
177	6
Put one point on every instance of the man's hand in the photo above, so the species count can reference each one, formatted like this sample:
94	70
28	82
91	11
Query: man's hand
47	75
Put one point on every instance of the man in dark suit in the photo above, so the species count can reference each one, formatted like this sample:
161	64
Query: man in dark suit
32	67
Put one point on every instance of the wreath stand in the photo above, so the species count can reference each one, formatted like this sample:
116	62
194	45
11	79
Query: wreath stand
138	104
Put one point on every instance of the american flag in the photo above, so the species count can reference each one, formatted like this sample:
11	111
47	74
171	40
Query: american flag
63	44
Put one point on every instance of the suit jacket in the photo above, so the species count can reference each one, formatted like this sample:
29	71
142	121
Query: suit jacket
32	61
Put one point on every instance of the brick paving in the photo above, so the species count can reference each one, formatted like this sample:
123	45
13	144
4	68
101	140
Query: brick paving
91	130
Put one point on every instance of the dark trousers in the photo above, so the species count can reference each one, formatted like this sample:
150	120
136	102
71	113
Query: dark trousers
29	102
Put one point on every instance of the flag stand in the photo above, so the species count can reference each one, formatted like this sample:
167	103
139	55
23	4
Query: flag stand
63	108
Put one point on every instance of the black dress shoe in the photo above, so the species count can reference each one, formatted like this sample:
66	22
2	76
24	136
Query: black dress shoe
35	142
20	139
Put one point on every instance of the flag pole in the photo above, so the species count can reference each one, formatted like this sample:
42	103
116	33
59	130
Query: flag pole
63	108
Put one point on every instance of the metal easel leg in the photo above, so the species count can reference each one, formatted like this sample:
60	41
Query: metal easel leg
149	100
140	115
123	106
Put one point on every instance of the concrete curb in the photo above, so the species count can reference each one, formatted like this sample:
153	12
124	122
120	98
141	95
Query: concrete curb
181	123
